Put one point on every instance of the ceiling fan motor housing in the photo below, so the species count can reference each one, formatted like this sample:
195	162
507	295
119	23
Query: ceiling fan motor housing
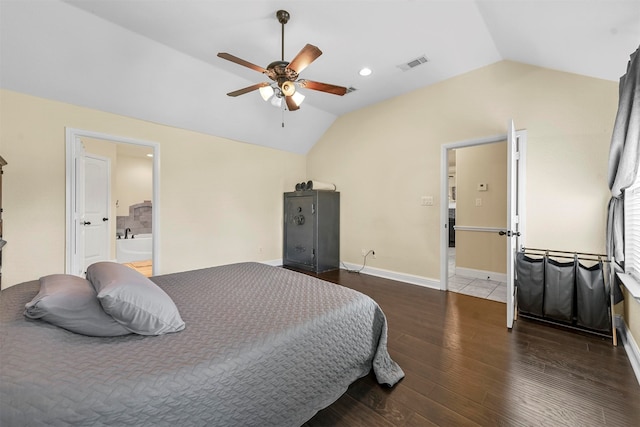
278	72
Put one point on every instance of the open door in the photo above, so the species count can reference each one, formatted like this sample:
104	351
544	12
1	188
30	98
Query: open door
97	199
515	212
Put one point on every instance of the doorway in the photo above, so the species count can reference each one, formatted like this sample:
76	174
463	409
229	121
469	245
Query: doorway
477	208
106	145
511	235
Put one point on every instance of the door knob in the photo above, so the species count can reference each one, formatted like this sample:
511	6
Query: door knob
86	223
105	219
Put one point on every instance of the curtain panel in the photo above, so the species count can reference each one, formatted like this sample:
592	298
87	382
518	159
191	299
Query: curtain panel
624	156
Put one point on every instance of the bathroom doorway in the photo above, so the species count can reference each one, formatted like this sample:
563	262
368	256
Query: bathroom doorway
514	232
476	253
133	203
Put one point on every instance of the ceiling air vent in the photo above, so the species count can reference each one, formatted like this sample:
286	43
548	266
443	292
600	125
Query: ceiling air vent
413	63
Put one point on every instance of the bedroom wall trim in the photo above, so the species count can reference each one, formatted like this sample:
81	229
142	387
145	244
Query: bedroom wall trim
630	345
481	274
379	272
393	275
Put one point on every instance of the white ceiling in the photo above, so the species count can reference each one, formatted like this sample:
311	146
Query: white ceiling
156	59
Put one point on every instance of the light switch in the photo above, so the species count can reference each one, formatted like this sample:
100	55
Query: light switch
478	201
427	201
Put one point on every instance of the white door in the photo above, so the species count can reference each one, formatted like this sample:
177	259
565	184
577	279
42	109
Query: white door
515	212
96	210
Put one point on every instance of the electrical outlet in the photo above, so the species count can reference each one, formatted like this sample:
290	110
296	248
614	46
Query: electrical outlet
368	252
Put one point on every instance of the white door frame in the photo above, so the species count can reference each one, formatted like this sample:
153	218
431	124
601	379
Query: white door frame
444	193
73	135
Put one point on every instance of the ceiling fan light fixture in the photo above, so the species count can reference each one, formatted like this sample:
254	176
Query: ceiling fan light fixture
288	88
298	98
276	101
266	92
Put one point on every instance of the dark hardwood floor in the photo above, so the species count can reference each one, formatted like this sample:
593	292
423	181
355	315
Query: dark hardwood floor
464	367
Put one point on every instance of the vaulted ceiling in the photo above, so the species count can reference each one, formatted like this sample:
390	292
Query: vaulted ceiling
156	59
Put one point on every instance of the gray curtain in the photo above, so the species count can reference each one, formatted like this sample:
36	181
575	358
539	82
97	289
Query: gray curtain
623	159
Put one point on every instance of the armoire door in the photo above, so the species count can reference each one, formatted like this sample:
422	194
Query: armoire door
299	230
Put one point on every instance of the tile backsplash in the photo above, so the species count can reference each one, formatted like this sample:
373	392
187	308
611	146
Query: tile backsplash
139	219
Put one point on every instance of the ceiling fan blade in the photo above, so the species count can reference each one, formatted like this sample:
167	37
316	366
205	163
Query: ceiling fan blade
242	62
248	89
291	105
306	56
323	87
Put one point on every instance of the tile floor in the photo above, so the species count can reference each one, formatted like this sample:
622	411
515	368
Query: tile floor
488	289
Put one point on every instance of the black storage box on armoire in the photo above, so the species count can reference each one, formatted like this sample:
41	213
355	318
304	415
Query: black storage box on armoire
312	230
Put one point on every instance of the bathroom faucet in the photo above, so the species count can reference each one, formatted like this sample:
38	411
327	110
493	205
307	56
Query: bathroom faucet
126	233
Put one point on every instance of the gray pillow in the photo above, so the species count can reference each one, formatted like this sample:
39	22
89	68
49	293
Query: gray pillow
70	302
134	301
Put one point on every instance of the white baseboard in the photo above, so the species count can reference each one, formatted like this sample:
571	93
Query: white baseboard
481	274
379	272
393	275
630	345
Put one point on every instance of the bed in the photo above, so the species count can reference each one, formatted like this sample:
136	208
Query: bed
262	346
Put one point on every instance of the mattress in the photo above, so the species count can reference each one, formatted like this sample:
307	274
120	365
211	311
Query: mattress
263	346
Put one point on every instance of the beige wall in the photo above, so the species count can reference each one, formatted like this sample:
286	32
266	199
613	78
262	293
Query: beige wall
221	201
486	164
630	311
385	157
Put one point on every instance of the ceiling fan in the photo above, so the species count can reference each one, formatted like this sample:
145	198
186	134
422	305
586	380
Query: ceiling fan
285	75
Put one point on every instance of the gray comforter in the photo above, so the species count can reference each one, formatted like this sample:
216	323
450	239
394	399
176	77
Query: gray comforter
262	346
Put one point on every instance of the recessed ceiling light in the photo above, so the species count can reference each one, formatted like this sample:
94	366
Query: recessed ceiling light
150	155
365	72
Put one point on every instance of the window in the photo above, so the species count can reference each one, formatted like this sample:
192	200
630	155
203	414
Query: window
632	230
631	278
